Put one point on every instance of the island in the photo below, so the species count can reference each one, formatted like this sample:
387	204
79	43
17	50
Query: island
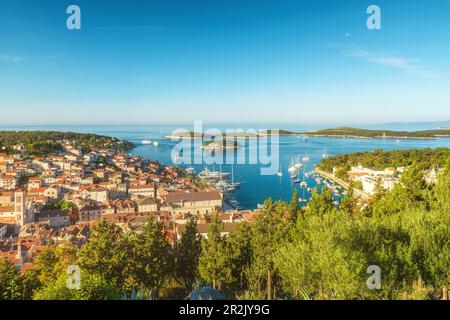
221	145
205	136
347	132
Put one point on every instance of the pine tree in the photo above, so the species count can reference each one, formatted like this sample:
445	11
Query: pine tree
240	252
9	281
293	205
269	231
187	252
152	258
321	203
350	203
214	262
107	253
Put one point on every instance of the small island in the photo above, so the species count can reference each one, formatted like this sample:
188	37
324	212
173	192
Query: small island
221	145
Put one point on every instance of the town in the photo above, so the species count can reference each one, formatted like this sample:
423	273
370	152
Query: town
58	198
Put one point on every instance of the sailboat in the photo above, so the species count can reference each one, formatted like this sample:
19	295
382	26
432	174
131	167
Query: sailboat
325	155
279	173
306	158
234	185
295	165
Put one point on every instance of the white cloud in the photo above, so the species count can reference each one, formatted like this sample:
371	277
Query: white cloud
10	58
408	65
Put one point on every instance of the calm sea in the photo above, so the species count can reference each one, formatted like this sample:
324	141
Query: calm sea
255	188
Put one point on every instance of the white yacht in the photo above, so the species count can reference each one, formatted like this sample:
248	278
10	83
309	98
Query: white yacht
190	170
156	143
146	142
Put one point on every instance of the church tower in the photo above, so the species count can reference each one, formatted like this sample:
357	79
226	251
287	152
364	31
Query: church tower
20	207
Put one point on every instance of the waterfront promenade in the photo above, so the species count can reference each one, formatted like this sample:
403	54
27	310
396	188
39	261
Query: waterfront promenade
341	182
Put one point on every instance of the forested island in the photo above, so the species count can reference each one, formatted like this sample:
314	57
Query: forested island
346	132
221	145
388	134
46	142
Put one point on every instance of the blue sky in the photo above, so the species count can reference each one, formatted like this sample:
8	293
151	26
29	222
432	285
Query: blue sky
142	62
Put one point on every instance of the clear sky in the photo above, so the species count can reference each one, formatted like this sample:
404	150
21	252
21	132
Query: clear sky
163	61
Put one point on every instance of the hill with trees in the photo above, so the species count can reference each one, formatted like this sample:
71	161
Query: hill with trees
425	159
47	142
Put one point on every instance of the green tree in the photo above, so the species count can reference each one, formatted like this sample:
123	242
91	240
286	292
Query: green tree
240	252
92	287
350	202
441	190
320	203
319	262
269	231
107	253
214	262
29	284
9	281
187	252
152	258
293	205
45	262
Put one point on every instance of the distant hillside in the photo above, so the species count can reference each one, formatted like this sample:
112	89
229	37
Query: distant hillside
424	158
45	142
364	133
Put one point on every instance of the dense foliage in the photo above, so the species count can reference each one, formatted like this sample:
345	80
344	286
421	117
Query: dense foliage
46	142
356	132
425	159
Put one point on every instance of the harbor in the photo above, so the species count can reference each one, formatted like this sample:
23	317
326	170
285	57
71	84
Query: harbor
224	182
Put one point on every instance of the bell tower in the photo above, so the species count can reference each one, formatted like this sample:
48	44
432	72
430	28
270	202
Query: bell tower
20	206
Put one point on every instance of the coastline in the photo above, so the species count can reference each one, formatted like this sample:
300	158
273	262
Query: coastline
340	182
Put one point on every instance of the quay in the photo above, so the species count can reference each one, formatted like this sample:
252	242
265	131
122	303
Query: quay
340	182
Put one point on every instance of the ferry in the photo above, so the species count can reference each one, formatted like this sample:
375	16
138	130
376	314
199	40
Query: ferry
146	142
212	175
